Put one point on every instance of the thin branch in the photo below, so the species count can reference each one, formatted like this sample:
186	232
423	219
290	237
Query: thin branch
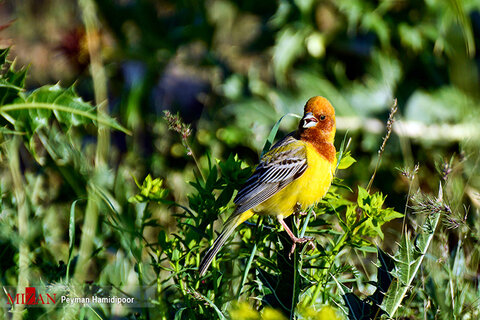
390	121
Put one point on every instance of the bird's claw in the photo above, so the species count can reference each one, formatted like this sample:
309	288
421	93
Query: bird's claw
308	240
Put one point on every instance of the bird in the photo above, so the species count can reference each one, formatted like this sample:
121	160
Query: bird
292	176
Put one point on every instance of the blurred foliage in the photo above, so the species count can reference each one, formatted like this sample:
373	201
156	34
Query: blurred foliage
150	190
231	69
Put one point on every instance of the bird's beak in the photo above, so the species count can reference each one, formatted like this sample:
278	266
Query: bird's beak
309	120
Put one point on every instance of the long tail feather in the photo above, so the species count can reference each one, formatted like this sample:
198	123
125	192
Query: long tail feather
234	221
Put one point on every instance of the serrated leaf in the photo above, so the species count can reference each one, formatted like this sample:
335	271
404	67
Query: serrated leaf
11	81
33	110
368	308
358	310
407	262
56	95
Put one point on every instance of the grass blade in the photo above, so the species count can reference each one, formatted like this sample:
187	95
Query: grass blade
273	132
71	237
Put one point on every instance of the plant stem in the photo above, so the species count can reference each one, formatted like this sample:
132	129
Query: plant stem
99	82
98	76
330	260
142	291
197	163
250	259
297	267
406	206
23	270
390	121
88	234
305	225
247	269
296	284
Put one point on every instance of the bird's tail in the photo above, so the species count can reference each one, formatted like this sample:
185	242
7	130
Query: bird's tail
234	221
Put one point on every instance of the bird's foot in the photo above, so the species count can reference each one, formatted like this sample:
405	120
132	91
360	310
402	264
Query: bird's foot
308	240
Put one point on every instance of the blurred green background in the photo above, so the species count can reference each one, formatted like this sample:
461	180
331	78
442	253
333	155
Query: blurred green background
232	69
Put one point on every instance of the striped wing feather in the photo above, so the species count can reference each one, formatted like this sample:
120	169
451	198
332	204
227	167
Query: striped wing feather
285	162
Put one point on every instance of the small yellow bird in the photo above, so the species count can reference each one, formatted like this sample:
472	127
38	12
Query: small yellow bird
293	175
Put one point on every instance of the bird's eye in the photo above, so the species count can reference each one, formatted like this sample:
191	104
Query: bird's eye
322	117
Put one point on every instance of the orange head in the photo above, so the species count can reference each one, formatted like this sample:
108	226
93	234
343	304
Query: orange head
318	123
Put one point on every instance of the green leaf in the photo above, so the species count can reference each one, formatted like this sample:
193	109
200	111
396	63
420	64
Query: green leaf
225	197
150	190
3	55
363	197
11	81
346	161
370	214
410	256
364	309
273	132
71	237
178	314
33	110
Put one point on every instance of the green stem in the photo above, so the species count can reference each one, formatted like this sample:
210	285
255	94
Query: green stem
247	269
197	163
86	248
142	292
99	82
99	78
406	206
159	289
296	282
307	219
298	263
88	234
23	271
325	271
250	259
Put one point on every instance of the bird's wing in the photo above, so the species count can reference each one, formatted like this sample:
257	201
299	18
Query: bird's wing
285	162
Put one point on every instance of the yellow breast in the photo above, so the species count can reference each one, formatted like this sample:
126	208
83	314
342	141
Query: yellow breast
305	191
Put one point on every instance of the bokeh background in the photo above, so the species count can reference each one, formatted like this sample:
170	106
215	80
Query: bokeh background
232	69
